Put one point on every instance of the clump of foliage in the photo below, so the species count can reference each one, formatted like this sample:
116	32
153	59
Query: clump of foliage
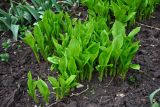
61	86
153	102
5	56
39	84
121	10
77	50
24	13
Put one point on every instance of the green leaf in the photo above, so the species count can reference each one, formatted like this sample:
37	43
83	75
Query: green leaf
104	38
54	59
116	46
118	29
53	81
32	10
131	15
135	66
104	57
134	32
72	67
27	16
43	89
32	87
93	48
62	82
70	79
14	29
74	47
63	66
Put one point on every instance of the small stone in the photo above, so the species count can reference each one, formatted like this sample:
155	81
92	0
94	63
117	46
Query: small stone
120	95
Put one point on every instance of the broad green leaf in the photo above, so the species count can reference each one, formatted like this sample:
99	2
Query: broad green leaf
43	89
104	38
70	79
103	60
63	64
93	48
117	45
62	82
27	16
133	32
83	59
32	87
72	67
74	47
118	29
131	15
32	10
53	81
14	29
54	59
135	66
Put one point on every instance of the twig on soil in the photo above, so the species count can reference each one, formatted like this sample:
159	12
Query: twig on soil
141	24
54	103
109	82
77	94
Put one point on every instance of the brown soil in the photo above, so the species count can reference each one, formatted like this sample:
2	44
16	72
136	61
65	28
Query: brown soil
109	93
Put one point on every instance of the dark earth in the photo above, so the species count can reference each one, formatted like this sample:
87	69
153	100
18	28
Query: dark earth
112	92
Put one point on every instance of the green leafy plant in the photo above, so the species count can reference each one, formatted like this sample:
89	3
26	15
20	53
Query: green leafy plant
46	34
62	86
34	85
153	102
43	89
73	55
98	7
126	11
23	13
116	58
77	49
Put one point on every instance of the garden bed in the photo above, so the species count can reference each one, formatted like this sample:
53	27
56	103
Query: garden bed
108	93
